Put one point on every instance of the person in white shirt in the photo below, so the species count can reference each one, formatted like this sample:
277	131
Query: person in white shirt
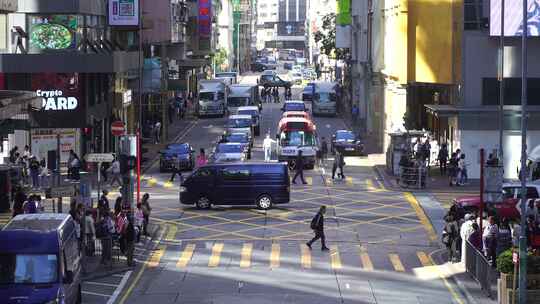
267	146
466	230
116	176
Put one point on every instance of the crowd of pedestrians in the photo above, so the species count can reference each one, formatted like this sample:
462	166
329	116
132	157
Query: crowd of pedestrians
497	234
455	165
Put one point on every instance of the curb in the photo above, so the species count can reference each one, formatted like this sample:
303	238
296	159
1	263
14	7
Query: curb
101	275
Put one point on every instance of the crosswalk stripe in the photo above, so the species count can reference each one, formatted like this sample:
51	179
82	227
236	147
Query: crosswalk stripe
370	185
349	181
186	256
245	260
305	259
334	257
156	256
171	232
216	254
364	257
274	256
396	262
329	181
152	182
309	180
424	259
168	184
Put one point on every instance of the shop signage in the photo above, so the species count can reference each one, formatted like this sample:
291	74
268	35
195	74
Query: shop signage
44	140
205	16
124	12
55	100
64	191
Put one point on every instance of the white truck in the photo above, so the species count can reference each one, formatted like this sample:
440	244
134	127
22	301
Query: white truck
242	95
212	98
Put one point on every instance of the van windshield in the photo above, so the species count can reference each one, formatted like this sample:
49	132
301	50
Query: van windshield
28	268
238	101
325	97
297	138
239	123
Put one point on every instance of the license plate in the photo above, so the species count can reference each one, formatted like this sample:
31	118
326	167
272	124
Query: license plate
349	149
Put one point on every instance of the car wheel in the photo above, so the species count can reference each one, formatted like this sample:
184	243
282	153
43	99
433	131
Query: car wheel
264	202
203	203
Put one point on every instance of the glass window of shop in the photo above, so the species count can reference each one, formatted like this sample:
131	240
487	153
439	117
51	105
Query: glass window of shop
3	33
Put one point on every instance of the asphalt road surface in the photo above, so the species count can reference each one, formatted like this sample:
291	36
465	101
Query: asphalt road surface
380	240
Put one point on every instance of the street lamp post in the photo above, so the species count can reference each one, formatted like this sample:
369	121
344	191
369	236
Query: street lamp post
501	88
523	237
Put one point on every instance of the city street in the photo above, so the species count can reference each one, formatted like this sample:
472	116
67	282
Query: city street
381	242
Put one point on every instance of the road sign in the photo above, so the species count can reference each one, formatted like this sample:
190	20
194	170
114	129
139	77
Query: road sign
118	128
99	157
63	191
515	257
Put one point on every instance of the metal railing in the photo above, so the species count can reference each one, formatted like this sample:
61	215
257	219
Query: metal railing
413	177
478	266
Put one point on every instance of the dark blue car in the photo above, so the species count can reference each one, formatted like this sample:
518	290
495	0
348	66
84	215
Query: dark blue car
260	184
40	260
307	93
179	155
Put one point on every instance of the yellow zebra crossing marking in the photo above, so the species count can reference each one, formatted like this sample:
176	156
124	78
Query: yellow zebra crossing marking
348	181
424	259
152	182
366	260
186	256
171	232
216	253
156	256
396	262
245	260
274	255
168	184
335	260
305	259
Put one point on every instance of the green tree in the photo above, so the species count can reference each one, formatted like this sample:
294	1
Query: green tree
221	58
327	37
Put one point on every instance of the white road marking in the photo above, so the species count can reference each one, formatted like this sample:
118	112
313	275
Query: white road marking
328	126
118	290
101	284
208	127
96	294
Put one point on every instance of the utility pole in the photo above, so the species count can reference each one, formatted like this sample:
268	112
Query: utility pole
523	237
164	97
58	172
501	87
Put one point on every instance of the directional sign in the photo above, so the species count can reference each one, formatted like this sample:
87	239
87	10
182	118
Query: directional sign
99	157
118	128
63	191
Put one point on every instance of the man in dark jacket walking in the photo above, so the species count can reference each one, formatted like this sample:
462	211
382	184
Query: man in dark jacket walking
317	224
299	164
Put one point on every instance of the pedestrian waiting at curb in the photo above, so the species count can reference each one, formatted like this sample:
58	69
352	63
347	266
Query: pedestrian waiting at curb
104	232
450	238
317	224
115	170
90	231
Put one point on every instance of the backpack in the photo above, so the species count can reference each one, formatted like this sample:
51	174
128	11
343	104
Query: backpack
314	222
101	229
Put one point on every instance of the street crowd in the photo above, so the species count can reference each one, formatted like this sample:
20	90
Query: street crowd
497	234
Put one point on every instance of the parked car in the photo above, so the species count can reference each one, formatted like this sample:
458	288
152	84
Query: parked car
40	259
259	184
347	143
241	138
229	152
307	93
294	105
287	66
511	194
259	67
178	154
255	116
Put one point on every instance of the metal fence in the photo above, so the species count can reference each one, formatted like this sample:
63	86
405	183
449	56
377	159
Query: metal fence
477	265
413	177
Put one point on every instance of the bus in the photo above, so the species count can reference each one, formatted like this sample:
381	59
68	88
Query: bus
324	98
295	134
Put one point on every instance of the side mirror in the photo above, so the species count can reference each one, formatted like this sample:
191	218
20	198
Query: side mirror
68	277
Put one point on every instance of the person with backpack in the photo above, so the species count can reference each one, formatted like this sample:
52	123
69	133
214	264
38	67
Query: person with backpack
450	236
317	224
104	232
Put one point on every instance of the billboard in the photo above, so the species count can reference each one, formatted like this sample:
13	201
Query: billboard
513	18
205	18
123	12
49	33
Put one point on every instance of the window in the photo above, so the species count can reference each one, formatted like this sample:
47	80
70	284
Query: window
3	32
204	172
473	18
28	268
512	91
508	192
235	173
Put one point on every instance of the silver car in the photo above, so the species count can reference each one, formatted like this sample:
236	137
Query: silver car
229	152
240	124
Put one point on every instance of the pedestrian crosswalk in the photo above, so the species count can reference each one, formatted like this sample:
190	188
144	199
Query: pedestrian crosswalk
4	218
275	255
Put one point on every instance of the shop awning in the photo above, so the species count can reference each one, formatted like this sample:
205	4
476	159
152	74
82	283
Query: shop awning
13	103
453	110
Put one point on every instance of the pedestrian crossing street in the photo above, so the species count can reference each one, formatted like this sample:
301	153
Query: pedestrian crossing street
182	255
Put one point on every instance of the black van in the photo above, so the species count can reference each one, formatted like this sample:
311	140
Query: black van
260	184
